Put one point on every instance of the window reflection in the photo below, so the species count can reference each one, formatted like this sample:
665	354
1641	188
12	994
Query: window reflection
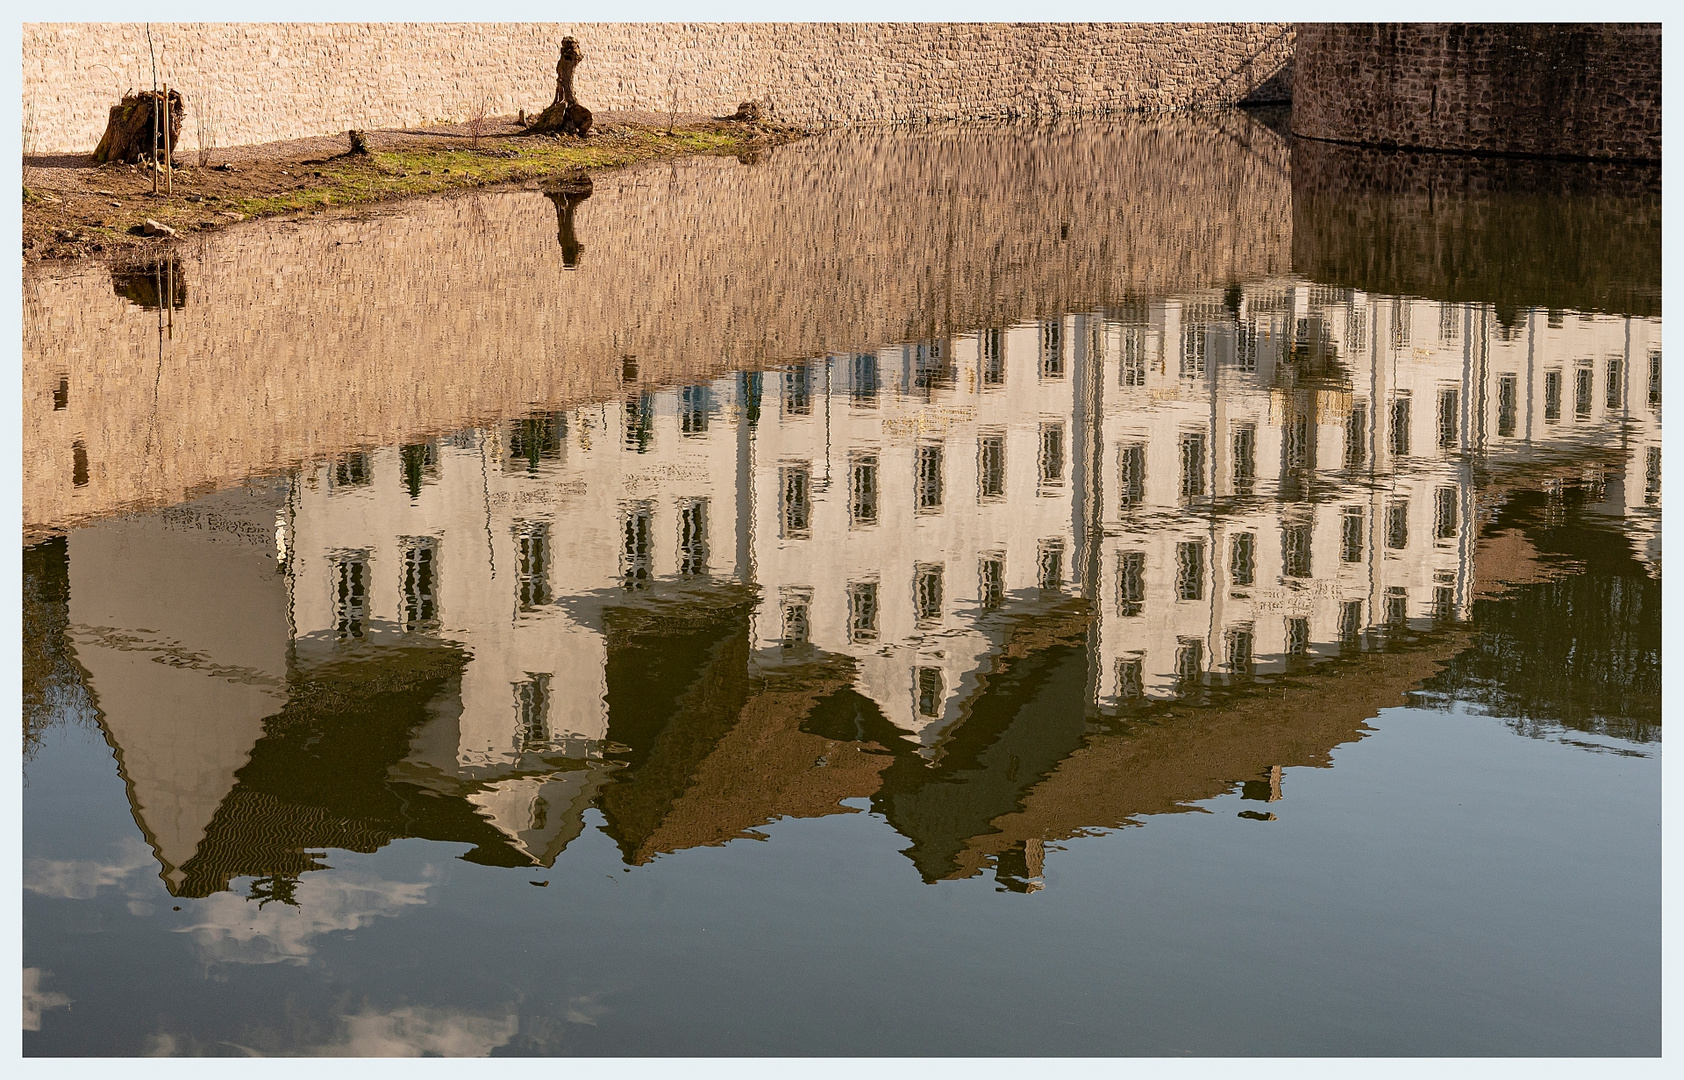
862	490
1051	562
1052	457
419	585
1131	583
862	611
693	537
1398	435
991	466
991	580
1052	349
1193	448
927	593
1508	404
532	564
991	366
1242	560
1190	570
637	545
929	479
1356	436
350	593
797	507
1131	475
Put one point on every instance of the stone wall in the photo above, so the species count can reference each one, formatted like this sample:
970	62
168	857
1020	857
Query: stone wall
257	82
1577	90
301	339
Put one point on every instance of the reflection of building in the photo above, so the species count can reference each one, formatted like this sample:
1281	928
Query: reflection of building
179	620
700	608
1283	475
1238	483
906	495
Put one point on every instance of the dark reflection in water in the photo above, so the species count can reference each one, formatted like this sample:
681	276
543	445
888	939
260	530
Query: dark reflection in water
54	685
151	288
1515	233
566	198
1581	646
1004	587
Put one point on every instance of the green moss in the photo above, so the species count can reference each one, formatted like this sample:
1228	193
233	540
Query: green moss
407	173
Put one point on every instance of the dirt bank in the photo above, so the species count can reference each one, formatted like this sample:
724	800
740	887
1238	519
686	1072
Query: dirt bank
73	209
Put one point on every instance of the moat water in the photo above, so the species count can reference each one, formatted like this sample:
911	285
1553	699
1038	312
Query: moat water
1065	590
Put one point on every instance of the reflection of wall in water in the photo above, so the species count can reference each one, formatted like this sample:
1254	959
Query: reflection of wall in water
1512	232
301	340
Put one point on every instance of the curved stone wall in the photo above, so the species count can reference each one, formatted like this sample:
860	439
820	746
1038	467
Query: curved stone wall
1577	90
258	82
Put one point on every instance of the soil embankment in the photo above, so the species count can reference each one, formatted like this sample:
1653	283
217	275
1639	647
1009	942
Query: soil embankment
75	209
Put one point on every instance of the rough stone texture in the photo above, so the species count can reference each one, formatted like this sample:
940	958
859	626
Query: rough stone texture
307	338
1511	232
267	81
1576	90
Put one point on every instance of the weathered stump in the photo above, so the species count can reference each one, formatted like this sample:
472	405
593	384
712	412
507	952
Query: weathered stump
570	57
129	135
565	115
572	119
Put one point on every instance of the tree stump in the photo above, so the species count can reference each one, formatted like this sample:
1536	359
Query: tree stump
129	136
565	115
570	57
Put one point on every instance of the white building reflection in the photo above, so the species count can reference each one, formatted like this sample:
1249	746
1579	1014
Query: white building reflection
1238	483
1234	484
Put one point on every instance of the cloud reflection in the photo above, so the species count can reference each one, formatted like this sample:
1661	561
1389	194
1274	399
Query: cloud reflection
416	1031
36	1000
234	930
81	879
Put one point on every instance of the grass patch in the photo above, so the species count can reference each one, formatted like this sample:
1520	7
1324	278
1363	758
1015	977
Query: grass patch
411	172
103	210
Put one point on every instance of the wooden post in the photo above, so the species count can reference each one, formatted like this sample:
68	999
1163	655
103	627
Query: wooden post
169	151
152	151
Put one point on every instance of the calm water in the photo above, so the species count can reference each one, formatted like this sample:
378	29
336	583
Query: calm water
967	591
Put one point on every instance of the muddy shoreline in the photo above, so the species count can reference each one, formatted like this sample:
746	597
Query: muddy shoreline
76	211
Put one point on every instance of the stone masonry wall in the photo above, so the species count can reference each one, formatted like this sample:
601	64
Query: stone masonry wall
301	339
1577	90
257	82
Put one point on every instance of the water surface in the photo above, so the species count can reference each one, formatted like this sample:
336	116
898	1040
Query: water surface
953	592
